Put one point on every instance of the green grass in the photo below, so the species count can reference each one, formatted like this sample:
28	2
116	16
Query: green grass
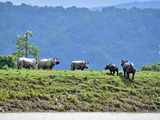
85	91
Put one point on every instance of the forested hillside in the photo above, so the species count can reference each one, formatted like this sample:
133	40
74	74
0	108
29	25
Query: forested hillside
78	33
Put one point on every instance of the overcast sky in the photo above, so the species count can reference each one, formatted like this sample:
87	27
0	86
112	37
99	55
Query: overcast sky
78	3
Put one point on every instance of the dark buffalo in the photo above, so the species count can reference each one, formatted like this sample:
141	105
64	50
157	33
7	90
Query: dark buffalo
112	68
79	65
128	68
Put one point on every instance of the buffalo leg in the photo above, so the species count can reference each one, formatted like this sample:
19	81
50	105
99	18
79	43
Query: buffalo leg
127	75
113	72
110	72
73	68
117	72
124	73
82	68
39	66
33	67
133	76
50	68
19	67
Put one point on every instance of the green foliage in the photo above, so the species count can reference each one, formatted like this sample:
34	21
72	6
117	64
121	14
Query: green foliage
146	68
24	47
7	62
153	67
156	67
34	51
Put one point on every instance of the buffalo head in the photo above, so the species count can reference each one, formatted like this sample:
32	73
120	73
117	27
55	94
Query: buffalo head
123	62
107	67
56	61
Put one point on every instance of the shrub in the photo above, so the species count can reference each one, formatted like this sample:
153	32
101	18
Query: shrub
7	62
156	67
153	67
146	68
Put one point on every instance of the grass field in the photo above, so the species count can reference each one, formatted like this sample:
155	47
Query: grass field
85	91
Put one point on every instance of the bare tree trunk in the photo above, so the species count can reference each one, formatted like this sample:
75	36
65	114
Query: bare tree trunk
26	45
26	50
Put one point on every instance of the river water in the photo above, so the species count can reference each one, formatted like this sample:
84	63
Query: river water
79	116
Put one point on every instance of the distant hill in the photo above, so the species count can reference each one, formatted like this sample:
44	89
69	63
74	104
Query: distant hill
149	4
80	34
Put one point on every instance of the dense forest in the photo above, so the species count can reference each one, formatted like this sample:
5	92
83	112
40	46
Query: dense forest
81	34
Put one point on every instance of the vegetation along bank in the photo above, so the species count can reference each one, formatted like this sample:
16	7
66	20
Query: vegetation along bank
84	91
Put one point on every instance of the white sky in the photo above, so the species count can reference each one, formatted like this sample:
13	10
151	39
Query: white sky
69	3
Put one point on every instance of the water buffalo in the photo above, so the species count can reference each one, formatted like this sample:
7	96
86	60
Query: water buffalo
128	68
27	63
79	65
48	63
112	68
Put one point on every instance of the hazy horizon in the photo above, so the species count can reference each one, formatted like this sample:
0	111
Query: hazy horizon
77	3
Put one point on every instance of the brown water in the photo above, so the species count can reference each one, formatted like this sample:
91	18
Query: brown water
79	116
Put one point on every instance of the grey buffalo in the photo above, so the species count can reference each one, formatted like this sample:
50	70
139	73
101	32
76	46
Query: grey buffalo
112	68
79	65
128	68
48	63
27	63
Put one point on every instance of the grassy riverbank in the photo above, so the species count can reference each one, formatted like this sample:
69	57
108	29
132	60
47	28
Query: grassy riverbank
39	90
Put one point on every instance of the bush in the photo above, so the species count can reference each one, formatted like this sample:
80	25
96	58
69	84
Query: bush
7	62
153	67
146	68
5	67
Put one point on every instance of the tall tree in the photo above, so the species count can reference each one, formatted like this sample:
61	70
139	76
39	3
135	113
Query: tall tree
27	46
24	47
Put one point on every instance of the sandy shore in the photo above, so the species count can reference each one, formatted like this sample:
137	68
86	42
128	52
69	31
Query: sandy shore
79	116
